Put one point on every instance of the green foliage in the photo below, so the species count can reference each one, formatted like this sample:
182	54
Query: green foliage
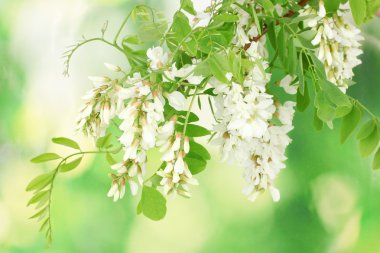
350	122
193	130
152	204
68	166
45	158
66	142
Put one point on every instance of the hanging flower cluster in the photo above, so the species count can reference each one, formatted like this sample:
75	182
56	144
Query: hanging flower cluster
254	62
338	41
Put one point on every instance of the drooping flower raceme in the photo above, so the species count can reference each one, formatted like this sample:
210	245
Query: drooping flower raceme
245	111
338	41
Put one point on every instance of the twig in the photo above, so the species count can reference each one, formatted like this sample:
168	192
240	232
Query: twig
265	28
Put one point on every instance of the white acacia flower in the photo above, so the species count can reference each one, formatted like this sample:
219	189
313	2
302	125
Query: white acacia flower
286	112
285	83
112	67
175	182
177	100
157	57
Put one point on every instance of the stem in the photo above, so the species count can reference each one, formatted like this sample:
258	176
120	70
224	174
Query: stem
265	29
364	108
187	118
56	170
121	28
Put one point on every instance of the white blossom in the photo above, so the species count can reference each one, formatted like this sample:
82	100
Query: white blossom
177	100
339	44
157	57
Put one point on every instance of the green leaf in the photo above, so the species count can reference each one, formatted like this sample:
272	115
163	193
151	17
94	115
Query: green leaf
199	150
218	67
335	95
45	158
40	214
66	142
366	130
193	130
226	18
38	197
110	159
70	166
133	40
181	27
359	10
376	160
303	101
40	182
318	124
267	5
325	110
349	123
188	6
152	203
332	5
192	117
195	163
104	141
370	143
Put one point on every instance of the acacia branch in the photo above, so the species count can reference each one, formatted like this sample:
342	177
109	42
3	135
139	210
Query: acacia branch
265	28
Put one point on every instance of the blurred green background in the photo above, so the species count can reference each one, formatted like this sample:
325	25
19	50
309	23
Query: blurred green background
329	195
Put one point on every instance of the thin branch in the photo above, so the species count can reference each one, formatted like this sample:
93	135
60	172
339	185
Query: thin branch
265	28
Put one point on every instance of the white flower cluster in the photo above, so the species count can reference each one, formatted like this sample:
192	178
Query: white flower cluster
140	105
338	41
102	104
176	175
246	112
140	120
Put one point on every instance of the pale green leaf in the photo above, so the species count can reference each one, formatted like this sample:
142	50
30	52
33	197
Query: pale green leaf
45	158
66	142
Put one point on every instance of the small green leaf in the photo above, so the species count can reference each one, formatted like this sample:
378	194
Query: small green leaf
38	196
102	142
188	6
359	10
70	166
326	112
303	101
332	5
192	117
366	130
152	203
376	160
226	18
44	224
267	5
195	163
370	143
349	123
66	142
110	159
318	124
40	182
134	40
45	158
199	150
40	214
193	130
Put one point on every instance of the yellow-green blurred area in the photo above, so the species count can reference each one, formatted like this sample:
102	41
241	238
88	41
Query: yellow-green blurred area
330	197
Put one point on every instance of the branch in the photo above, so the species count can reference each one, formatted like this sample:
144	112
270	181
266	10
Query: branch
265	29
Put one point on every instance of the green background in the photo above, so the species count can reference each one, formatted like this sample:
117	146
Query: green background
329	195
